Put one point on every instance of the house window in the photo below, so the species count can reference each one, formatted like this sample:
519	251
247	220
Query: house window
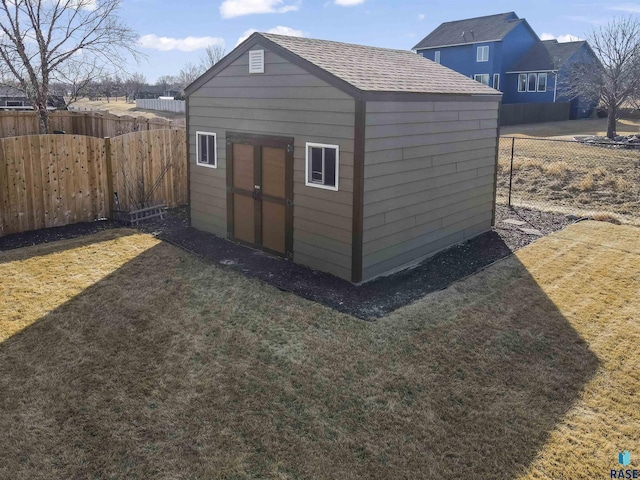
482	78
436	56
322	166
496	81
532	82
206	149
522	82
482	54
542	82
14	103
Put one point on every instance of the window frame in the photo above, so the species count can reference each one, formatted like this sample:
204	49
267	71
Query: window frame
496	81
475	77
546	78
18	103
307	169
436	56
215	149
479	56
535	83
520	84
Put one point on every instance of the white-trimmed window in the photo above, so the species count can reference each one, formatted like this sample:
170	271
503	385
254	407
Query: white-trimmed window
542	82
522	82
483	78
15	103
206	149
436	56
482	54
496	81
256	61
532	81
322	164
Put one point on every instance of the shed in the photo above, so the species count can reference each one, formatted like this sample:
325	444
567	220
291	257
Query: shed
353	160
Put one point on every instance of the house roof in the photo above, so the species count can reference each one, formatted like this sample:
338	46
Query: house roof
357	68
546	55
13	92
471	30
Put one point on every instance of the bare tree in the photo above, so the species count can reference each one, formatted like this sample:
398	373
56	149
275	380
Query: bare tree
44	41
133	84
616	79
188	74
212	55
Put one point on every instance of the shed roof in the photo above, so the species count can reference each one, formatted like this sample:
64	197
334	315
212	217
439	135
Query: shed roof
471	30
547	55
358	68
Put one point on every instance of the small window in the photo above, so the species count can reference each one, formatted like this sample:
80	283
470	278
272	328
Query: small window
482	54
15	103
522	82
496	81
482	78
322	166
542	82
206	149
256	61
436	56
531	82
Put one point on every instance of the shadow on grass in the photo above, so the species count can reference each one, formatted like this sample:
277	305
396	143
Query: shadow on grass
171	368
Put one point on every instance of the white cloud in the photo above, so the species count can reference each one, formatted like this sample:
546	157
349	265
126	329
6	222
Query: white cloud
561	38
187	44
237	8
421	16
627	8
279	30
348	3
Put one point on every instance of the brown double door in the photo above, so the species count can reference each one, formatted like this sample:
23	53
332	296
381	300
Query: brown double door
260	191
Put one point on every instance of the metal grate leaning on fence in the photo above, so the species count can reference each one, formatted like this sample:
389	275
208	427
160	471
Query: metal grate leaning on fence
584	179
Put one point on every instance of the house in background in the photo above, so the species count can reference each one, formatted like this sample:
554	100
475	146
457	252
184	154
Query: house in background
12	98
504	52
353	160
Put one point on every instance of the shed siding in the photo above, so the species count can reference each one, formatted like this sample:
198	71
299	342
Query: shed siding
429	178
284	101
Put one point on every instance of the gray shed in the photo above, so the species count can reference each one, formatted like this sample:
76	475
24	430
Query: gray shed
353	160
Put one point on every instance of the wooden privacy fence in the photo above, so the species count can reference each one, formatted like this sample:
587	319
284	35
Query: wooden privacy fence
520	113
54	180
92	124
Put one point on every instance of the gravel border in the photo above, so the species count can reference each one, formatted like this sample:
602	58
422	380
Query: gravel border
368	301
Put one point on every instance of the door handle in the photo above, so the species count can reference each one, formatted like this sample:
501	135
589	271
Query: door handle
256	192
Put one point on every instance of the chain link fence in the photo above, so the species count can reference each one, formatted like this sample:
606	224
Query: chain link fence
598	180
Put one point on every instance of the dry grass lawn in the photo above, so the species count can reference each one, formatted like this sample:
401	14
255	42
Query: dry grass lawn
569	128
123	357
120	107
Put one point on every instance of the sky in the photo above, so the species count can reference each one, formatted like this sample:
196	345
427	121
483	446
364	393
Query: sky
173	33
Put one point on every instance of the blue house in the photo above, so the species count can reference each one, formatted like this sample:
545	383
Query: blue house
503	52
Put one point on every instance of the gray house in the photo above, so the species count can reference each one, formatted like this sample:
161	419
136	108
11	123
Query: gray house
353	160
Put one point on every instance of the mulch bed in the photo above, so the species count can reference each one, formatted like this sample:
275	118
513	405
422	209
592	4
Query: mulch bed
369	301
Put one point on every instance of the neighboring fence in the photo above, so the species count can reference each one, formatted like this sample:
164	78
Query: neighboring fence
92	124
570	177
519	113
177	106
55	180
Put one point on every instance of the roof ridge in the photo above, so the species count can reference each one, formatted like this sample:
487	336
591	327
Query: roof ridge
483	16
368	47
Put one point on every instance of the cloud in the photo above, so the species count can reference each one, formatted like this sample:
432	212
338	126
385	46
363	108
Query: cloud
187	44
237	8
626	7
421	16
348	3
279	30
561	38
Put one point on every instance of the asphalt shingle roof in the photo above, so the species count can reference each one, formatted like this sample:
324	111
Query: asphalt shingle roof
546	55
7	91
374	69
471	30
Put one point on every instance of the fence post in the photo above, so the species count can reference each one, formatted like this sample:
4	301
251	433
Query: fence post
513	143
109	165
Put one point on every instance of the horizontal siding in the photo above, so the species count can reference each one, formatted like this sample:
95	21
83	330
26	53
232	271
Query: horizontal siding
429	176
284	101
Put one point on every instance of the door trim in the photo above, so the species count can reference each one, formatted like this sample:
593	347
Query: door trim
286	143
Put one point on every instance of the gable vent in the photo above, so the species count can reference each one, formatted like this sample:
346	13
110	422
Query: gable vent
256	61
